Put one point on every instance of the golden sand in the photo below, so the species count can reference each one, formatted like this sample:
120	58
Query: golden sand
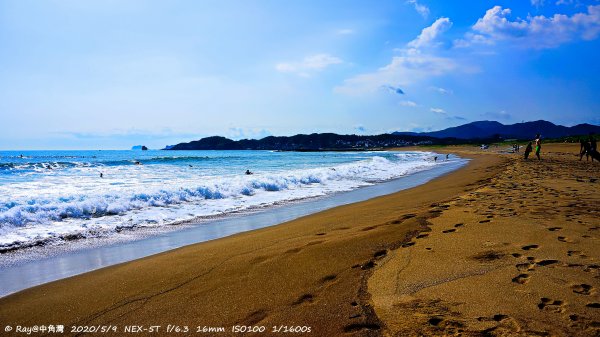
501	247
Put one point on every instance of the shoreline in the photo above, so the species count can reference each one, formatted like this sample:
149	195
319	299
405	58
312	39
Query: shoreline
333	271
37	265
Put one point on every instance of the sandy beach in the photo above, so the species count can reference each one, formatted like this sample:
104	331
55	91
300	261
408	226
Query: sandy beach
501	247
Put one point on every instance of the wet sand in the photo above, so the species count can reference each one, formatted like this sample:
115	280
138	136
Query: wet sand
500	247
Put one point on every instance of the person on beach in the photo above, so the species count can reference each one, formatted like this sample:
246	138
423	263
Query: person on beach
447	154
584	149
101	175
248	172
538	146
435	158
527	150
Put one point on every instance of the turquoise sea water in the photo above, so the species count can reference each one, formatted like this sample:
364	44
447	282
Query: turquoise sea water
49	197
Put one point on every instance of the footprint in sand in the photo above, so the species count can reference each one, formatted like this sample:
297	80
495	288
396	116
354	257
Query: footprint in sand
328	278
583	289
368	265
435	321
521	278
530	247
593	305
489	256
306	298
544	263
499	317
554	229
552	305
380	254
255	317
524	266
449	230
564	239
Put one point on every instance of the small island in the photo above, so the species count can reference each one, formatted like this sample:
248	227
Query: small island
139	147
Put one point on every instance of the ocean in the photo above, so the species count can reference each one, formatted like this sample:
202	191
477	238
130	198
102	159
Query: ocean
55	197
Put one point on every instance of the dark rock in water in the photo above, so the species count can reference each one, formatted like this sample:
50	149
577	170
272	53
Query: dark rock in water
144	148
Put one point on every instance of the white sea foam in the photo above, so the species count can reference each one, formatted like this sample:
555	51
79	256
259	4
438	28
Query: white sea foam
62	206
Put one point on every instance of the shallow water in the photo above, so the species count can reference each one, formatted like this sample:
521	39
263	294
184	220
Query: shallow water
52	197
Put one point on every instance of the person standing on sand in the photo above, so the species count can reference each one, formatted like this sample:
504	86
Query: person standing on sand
538	146
527	151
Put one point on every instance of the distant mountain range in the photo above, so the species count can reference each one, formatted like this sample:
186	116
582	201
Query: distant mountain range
312	142
484	131
491	129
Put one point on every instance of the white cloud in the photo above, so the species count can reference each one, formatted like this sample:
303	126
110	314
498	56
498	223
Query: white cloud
430	34
442	91
408	103
537	3
238	133
411	66
308	64
538	32
403	70
421	9
438	111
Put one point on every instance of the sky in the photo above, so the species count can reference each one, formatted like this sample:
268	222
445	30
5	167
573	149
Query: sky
116	73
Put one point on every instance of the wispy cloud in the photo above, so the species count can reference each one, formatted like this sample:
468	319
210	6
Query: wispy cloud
455	118
442	91
420	8
415	63
392	89
537	3
438	111
308	65
538	32
408	103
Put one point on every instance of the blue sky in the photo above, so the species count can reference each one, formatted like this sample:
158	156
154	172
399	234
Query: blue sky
112	74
